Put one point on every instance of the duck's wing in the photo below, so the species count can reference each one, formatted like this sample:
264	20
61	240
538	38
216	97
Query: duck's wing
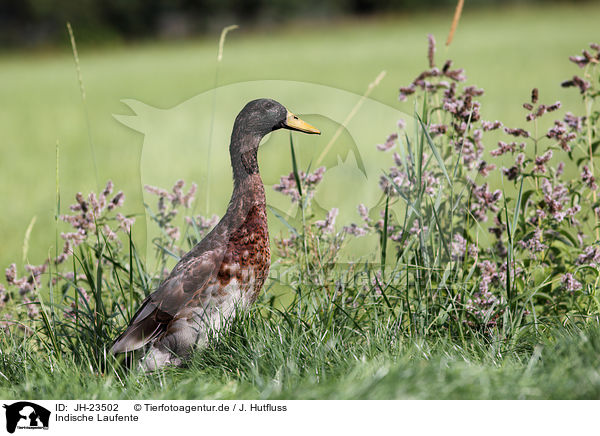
189	277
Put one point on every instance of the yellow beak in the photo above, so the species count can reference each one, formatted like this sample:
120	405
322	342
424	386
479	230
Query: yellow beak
294	123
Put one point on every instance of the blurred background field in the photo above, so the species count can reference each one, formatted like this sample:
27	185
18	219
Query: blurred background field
506	50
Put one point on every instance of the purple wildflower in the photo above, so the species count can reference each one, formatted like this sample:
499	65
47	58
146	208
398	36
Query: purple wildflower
578	82
431	50
504	148
489	275
534	243
590	256
3	296
11	274
117	201
588	178
33	311
202	223
156	191
125	223
459	247
575	123
580	61
108	232
511	173
484	201
555	198
363	212
355	230
76	238
437	129
390	143
417	228
473	251
489	125
173	232
540	162
471	151
406	91
586	57
517	132
553	107
327	225
570	283
498	229
484	168
559	132
309	181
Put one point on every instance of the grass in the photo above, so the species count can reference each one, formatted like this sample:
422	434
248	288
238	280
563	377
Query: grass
264	360
412	338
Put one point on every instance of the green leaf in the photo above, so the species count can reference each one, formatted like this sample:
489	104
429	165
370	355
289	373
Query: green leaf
570	238
435	151
167	251
526	195
517	207
384	234
295	166
283	220
439	226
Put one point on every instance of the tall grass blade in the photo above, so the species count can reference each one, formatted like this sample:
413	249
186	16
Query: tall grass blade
224	33
509	294
131	260
283	220
441	233
455	19
517	208
27	238
349	117
83	99
295	166
384	235
434	149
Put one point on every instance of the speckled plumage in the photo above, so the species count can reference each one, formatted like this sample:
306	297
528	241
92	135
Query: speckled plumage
227	269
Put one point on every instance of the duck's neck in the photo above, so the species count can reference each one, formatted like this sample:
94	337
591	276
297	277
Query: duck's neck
242	151
248	189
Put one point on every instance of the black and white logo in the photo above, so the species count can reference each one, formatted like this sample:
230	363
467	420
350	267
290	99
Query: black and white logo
26	415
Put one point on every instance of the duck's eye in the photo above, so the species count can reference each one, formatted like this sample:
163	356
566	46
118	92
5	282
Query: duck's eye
268	105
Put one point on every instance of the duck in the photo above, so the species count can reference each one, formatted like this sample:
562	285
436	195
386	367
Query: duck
225	272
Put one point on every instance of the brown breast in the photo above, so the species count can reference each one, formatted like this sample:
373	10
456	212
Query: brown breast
248	257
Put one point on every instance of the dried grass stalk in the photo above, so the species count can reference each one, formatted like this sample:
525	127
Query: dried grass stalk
457	14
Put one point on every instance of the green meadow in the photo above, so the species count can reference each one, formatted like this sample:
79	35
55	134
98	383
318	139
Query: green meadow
506	51
147	112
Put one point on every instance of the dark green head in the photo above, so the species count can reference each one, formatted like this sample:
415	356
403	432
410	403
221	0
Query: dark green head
257	119
264	115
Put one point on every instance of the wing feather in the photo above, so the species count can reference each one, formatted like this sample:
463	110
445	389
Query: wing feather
189	278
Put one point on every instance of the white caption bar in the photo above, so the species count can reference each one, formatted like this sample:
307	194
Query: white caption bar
245	418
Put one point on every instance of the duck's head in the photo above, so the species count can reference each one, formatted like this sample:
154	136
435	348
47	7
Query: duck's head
259	117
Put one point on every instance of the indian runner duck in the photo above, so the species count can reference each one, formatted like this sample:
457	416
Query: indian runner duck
227	269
